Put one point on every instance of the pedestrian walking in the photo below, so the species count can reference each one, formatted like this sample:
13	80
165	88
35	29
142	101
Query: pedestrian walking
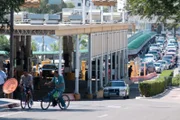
130	71
3	77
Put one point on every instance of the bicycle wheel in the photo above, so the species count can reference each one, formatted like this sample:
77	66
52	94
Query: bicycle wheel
30	102
67	102
45	103
23	101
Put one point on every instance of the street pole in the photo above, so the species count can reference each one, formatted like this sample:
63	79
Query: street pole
11	43
11	47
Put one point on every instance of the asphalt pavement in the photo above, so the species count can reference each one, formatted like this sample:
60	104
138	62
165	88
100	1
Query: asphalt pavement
164	108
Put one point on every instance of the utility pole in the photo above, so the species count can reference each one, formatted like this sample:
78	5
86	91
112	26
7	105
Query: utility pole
11	43
11	47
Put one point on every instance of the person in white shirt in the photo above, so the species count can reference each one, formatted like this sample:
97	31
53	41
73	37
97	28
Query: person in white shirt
3	77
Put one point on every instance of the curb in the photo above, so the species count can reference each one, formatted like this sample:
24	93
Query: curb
158	95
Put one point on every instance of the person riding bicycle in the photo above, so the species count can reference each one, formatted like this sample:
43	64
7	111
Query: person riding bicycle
26	82
58	80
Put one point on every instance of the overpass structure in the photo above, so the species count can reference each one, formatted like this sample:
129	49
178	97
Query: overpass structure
105	41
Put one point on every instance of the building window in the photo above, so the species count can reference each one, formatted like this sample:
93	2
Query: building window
79	4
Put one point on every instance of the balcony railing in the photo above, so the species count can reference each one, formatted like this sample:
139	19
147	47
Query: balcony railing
104	2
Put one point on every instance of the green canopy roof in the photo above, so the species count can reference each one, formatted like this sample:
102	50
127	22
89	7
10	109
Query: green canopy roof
52	52
136	43
3	52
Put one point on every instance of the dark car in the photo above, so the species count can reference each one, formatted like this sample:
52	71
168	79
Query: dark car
150	68
48	70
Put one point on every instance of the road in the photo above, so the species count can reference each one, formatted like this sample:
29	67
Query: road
163	108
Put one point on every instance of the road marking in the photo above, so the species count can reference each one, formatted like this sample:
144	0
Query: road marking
9	114
114	106
101	116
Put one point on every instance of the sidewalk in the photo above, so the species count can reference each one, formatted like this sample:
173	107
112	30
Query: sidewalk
8	103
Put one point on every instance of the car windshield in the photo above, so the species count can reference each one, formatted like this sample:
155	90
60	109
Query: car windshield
157	65
116	84
148	56
49	66
170	44
167	57
171	51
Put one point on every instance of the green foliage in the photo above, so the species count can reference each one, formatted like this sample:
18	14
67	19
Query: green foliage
55	46
163	9
84	42
4	43
33	45
5	8
154	87
176	80
69	5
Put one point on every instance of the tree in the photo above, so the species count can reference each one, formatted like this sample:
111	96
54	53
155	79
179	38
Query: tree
55	46
4	43
33	45
69	5
46	8
83	42
162	9
5	8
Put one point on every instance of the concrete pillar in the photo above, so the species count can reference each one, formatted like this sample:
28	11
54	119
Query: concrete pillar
83	10
101	71
68	49
123	62
101	14
106	69
119	64
77	66
115	57
90	13
96	75
111	66
60	55
90	64
28	52
112	11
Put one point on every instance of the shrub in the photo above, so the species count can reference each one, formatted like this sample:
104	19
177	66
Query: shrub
154	87
167	75
176	80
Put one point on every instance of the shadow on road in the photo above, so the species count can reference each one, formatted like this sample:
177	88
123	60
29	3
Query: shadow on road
134	91
3	118
50	110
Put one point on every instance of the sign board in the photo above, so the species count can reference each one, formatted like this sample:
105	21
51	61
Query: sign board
55	2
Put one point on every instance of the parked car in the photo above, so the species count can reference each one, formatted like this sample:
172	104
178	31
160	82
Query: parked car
149	58
159	67
155	53
48	70
169	57
172	54
116	88
149	66
166	64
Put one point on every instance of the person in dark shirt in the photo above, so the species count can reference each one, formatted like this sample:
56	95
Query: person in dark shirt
130	71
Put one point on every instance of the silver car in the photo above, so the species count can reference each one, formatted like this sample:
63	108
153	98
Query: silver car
116	88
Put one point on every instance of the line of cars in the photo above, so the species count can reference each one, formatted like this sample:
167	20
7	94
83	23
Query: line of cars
162	55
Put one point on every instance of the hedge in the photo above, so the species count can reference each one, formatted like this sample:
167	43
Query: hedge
153	87
176	80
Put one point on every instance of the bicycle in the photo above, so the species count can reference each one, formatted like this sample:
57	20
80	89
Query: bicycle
26	98
47	100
